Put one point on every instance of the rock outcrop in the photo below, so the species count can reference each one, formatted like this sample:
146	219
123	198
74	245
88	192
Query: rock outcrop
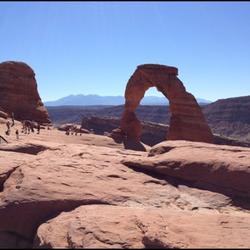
78	195
19	94
187	121
196	163
139	228
73	128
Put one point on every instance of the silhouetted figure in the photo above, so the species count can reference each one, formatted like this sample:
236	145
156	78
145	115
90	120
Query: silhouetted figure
13	120
32	126
67	132
7	132
25	128
17	134
22	130
38	128
8	125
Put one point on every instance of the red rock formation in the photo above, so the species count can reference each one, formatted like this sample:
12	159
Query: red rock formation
208	166
137	228
187	121
174	196
19	94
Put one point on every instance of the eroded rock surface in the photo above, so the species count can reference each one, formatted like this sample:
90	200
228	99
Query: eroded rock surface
221	168
19	93
76	191
135	227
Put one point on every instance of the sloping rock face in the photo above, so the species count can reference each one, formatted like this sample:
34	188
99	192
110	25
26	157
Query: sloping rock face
79	195
187	121
19	94
228	171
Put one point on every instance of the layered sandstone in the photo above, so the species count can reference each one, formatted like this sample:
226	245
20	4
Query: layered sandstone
187	121
87	191
19	94
107	204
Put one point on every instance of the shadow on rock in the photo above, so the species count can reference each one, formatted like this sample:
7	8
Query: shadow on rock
133	145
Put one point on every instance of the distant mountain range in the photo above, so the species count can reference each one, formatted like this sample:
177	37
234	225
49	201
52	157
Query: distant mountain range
87	100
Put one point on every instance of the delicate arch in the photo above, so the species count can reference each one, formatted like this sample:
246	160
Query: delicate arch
187	121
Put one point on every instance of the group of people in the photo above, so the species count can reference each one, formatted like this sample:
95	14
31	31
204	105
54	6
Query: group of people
72	131
27	127
75	131
8	124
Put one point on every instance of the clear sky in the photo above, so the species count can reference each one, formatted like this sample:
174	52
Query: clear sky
94	47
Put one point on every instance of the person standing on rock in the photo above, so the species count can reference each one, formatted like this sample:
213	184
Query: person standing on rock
8	128
25	128
38	128
67	131
8	124
31	123
13	120
17	134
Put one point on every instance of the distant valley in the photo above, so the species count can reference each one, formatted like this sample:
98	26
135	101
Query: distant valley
228	117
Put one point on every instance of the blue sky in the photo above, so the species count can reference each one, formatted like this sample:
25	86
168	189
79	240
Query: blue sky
94	47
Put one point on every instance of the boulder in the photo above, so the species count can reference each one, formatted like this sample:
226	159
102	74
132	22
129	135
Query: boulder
137	228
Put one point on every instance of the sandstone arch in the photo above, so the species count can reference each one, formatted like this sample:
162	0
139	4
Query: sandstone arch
187	121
